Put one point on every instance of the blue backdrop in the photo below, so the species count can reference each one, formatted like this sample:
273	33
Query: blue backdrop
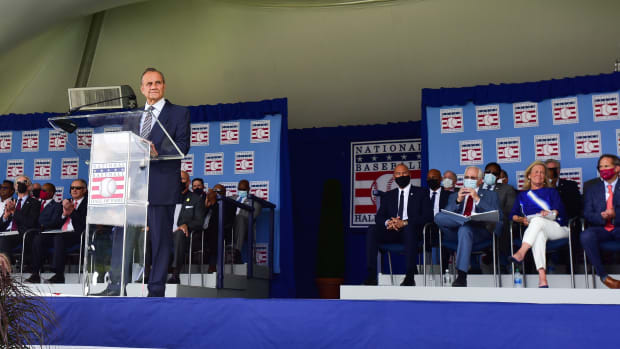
249	139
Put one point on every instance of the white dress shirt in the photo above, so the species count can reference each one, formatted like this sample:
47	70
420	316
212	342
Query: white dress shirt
157	108
70	226
613	188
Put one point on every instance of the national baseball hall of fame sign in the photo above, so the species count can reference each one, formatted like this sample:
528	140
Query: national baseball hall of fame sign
372	169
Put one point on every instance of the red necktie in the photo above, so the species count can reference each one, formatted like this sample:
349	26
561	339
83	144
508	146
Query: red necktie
68	219
42	205
469	205
19	207
609	226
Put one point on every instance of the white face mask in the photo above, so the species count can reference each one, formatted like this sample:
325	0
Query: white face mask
447	183
500	180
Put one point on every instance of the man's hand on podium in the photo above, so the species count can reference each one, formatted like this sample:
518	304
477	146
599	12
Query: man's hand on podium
154	152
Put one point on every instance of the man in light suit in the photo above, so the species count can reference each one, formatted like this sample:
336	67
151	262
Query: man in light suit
468	200
400	218
240	227
602	200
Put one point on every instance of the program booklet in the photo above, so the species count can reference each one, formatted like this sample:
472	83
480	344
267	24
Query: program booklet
489	216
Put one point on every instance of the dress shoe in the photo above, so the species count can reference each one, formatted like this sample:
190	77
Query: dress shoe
409	281
33	279
56	279
460	282
611	282
108	292
174	279
371	281
513	260
543	286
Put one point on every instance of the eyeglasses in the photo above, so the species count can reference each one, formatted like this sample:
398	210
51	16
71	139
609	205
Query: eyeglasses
77	188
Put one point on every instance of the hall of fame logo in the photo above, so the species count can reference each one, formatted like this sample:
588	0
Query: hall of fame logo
487	117
565	111
70	168
57	140
605	107
229	132
42	169
587	144
187	164
84	138
572	174
260	131
520	179
231	188
525	114
262	253
214	164
372	169
451	120
244	162
14	168
30	141
200	134
459	180
59	194
108	183
260	189
6	140
471	152
508	149
547	146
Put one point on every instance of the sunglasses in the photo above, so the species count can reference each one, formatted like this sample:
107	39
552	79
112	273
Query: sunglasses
77	188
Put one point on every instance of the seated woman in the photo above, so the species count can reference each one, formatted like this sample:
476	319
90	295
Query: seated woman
540	209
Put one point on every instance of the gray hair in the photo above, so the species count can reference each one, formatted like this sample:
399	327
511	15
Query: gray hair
476	168
552	161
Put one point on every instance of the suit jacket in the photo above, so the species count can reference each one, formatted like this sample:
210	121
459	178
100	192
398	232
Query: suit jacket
176	121
506	196
193	211
488	202
51	216
229	217
443	198
26	218
571	197
78	216
595	203
419	210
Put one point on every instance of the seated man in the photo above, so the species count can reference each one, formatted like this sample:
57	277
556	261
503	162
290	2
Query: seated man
191	217
568	190
601	202
211	223
449	181
21	215
50	219
240	227
469	199
6	193
198	187
400	218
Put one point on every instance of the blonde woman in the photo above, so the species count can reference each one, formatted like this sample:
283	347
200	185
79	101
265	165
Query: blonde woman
540	209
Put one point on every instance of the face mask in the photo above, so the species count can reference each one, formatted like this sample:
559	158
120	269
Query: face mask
22	187
242	194
45	195
607	173
447	183
36	193
199	191
183	186
489	179
500	181
402	181
553	173
470	183
433	183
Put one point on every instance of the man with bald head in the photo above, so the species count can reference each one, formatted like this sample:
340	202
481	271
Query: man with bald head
402	214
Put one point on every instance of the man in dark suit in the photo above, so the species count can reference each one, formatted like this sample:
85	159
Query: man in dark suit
400	218
240	227
21	215
191	217
162	196
468	200
49	219
568	190
211	223
437	194
602	201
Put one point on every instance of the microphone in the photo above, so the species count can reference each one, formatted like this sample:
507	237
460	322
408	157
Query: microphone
73	110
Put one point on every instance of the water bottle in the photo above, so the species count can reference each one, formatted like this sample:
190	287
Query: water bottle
518	279
447	278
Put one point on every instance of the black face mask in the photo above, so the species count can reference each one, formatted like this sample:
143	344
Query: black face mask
183	186
22	187
403	181
554	173
36	192
198	191
433	183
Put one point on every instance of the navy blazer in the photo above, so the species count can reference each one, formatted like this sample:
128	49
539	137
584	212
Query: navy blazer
51	216
26	218
595	203
488	202
419	209
165	175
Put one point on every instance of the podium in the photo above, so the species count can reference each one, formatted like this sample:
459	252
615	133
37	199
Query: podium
118	163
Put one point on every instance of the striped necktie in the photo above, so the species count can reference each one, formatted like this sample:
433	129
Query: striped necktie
148	120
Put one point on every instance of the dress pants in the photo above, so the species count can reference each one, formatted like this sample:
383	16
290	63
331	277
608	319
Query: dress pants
590	239
160	221
59	242
378	234
538	231
465	235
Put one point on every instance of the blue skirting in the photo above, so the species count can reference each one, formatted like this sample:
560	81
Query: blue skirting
289	323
